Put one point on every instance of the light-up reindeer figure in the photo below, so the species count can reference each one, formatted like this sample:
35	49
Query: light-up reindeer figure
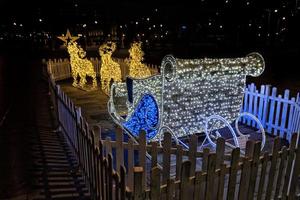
80	65
110	70
136	68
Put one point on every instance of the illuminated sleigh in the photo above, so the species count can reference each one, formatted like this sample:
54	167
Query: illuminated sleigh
188	97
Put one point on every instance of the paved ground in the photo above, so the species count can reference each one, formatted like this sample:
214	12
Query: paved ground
36	163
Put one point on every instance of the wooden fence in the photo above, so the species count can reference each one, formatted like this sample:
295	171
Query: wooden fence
279	114
61	69
123	169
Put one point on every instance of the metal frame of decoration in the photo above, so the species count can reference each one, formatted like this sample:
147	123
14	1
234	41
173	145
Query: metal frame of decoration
189	94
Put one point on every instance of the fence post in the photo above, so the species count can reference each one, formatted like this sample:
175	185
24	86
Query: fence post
166	157
138	188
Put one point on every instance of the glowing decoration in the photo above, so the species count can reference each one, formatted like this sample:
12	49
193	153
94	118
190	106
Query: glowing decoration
189	91
136	68
145	117
80	65
110	70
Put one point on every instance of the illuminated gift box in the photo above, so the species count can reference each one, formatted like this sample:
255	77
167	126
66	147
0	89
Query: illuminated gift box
183	96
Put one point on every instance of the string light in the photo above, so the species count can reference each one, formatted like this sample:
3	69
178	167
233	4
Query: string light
110	70
80	65
188	91
136	68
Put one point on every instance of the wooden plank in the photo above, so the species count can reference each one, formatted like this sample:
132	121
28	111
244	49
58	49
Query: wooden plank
254	124
155	183
245	108
199	181
220	150
272	108
116	186
288	170
192	153
245	178
261	103
205	159
250	108
138	188
185	193
295	175
142	156
110	173
233	173
272	170
278	108
179	153
107	144
170	189
130	166
210	176
166	157
263	175
153	154
119	149
222	172
254	169
283	156
266	106
122	182
284	113
249	148
101	169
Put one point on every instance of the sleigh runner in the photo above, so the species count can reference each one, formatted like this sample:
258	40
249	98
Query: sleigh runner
188	97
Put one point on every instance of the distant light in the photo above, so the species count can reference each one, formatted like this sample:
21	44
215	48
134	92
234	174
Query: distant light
84	25
40	20
153	25
166	32
156	9
259	27
147	41
249	24
275	10
143	34
15	24
79	35
268	34
161	25
136	23
277	33
258	35
76	5
96	22
226	1
148	19
217	13
183	27
149	28
123	35
155	36
248	3
161	36
209	23
221	26
283	18
121	26
21	25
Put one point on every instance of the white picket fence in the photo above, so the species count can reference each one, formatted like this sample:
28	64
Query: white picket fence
60	69
279	114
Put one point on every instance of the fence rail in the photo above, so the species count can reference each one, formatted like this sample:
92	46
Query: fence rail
121	169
